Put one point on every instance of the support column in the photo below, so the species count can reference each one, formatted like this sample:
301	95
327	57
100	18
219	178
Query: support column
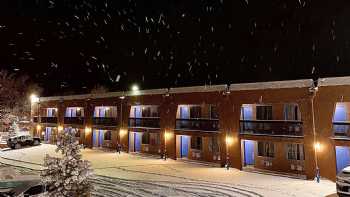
324	123
305	107
88	114
168	111
229	114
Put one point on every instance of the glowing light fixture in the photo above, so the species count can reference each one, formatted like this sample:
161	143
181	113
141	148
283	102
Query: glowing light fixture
87	130
34	98
60	128
135	87
317	146
167	135
229	140
122	132
38	127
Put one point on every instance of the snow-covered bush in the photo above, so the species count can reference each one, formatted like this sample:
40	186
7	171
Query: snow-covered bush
67	176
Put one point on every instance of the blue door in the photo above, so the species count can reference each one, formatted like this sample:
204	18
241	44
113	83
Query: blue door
184	146
184	112
343	157
138	112
340	113
95	138
47	136
137	141
100	138
247	113
248	152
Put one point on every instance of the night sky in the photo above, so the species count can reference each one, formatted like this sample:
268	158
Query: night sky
70	46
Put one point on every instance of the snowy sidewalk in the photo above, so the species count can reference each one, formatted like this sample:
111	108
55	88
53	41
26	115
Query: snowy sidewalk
134	167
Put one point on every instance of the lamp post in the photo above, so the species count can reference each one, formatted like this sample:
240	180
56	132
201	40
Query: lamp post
229	142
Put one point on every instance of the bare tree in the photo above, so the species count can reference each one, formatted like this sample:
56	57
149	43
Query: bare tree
14	93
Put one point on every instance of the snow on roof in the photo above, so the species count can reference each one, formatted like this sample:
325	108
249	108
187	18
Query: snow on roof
334	81
207	88
272	85
192	89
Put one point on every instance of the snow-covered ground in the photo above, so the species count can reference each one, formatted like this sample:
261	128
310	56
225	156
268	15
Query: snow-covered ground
134	175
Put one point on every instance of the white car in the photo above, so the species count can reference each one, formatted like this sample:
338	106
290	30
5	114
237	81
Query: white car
343	182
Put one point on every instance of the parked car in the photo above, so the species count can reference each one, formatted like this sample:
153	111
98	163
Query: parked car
18	141
343	182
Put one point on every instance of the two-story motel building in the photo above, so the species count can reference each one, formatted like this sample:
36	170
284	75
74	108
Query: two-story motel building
287	126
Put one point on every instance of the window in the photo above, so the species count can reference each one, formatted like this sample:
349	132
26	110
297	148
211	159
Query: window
263	112
105	112
146	112
145	138
291	112
51	112
74	112
214	112
214	144
154	139
108	135
295	152
196	143
266	149
195	112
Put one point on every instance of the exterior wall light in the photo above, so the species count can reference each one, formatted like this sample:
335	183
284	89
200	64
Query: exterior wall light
60	128
88	130
317	146
167	135
122	132
229	140
38	127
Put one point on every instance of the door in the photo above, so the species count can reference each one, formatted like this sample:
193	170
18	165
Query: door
95	138
342	157
137	140
184	146
100	138
184	112
340	113
248	152
47	136
138	114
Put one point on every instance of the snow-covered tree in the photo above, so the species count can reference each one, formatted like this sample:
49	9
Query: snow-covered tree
67	176
14	129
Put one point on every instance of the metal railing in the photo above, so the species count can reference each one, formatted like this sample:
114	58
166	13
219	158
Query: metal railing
341	129
36	119
74	120
271	127
147	122
198	124
105	121
48	119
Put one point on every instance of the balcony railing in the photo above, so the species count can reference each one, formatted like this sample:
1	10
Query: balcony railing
198	124
48	119
146	122
271	127
74	120
341	129
36	119
105	121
